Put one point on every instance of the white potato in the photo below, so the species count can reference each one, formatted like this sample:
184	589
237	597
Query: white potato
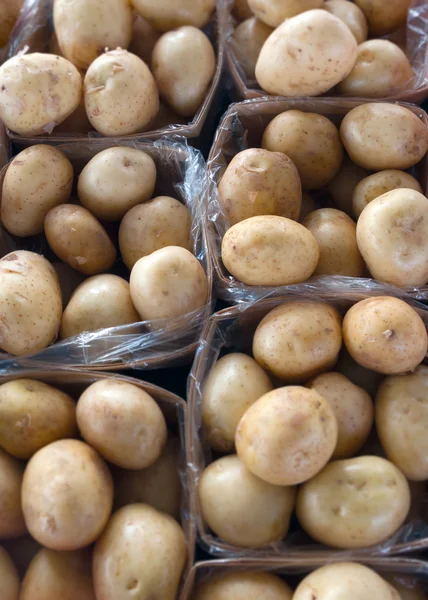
384	17
248	39
243	585
351	15
379	183
165	15
274	12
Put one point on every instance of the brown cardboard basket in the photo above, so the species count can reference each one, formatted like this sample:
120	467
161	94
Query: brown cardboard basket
242	127
232	330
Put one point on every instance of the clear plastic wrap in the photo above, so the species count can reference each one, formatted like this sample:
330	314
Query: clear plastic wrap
151	344
242	127
412	39
232	330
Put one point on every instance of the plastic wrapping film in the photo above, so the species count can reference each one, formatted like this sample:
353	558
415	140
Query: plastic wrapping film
174	409
34	30
232	330
412	39
242	127
150	344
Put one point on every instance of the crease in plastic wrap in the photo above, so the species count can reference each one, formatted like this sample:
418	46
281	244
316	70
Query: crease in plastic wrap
232	330
181	173
242	127
413	39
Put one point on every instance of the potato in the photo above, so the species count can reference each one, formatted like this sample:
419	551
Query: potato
65	575
311	141
85	29
67	495
248	39
258	182
154	571
144	38
233	385
32	415
30	303
343	185
121	96
158	485
354	503
165	15
343	580
252	249
148	227
10	10
78	239
384	18
242	509
378	136
243	585
115	180
122	422
379	183
51	86
274	12
38	179
168	283
352	407
306	55
8	577
360	376
391	235
335	233
385	334
308	205
298	340
351	15
381	69
183	65
11	518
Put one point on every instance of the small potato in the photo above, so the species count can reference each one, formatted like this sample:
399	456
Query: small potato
298	340
311	141
12	522
241	10
121	96
99	302
274	12
248	39
360	376
183	65
351	15
51	86
243	585
402	421
32	415
306	55
376	185
269	250
352	407
385	334
144	38
122	422
115	180
400	140
158	485
242	509
308	205
258	182
38	179
30	303
381	69
391	233
85	29
168	283
234	384
64	575
165	15
354	503
154	570
8	577
148	227
78	239
384	17
335	233
343	185
67	495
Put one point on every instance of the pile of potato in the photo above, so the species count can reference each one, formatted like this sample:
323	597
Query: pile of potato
61	491
154	236
359	172
310	47
116	57
293	427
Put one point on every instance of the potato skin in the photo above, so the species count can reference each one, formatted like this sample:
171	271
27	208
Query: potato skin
38	179
384	18
78	239
274	12
343	185
351	15
165	15
12	522
242	509
248	39
244	585
8	577
400	142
